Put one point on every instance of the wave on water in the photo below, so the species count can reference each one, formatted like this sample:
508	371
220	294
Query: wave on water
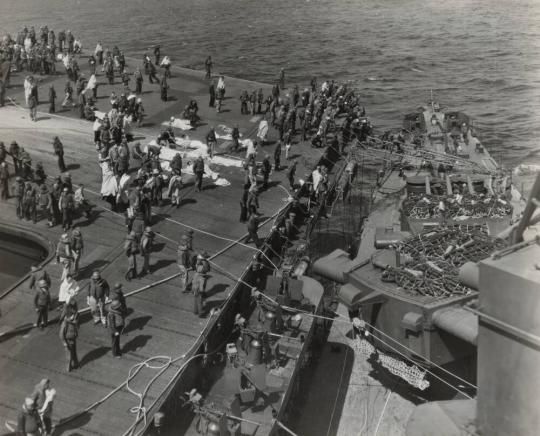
485	82
381	79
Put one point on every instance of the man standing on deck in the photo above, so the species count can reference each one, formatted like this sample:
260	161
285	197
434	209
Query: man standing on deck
244	98
152	78
64	255
252	102
198	170
137	75
32	105
42	301
115	321
212	92
252	228
131	249
211	141
59	152
4	178
163	87
157	54
146	248
291	173
266	169
277	157
282	78
208	67
45	204
98	294
18	193
98	53
185	266
2	93
69	331
202	268
14	152
77	246
66	204
52	98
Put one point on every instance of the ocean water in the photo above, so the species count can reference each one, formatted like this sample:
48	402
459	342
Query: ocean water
479	56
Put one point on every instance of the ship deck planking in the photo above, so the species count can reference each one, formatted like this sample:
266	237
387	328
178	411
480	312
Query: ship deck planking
162	320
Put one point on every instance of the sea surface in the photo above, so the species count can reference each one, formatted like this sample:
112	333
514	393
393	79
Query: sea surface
479	56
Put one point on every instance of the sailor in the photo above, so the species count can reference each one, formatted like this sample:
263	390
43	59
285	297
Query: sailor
59	152
184	265
44	204
163	87
138	80
166	63
26	164
202	268
243	206
291	173
157	54
3	152
266	169
69	331
32	105
146	248
269	100
123	158
208	67
253	102
287	140
29	202
125	79
139	111
175	185
277	157
52	98
198	170
282	78
131	249
244	98
252	228
66	204
253	199
295	96
42	301
212	92
77	246
4	179
115	321
18	193
275	91
64	255
260	100
98	294
152	78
